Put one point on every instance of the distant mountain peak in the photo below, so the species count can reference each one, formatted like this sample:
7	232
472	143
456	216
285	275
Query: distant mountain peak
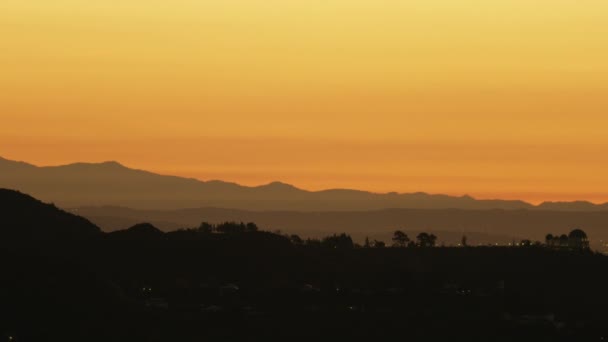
107	164
104	167
13	162
279	185
112	163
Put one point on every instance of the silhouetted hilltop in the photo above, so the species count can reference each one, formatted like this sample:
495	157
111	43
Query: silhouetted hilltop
110	183
140	231
24	217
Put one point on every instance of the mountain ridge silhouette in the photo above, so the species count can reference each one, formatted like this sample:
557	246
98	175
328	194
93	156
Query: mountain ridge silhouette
24	217
114	184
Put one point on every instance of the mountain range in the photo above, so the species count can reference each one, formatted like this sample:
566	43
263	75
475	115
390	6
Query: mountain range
25	218
113	184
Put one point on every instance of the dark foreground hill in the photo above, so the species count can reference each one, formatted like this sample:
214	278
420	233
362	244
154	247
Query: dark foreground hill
23	217
234	282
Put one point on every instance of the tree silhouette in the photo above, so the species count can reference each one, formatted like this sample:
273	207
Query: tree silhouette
564	241
578	239
251	227
296	240
426	240
400	239
549	240
432	240
379	244
313	243
338	241
463	241
205	228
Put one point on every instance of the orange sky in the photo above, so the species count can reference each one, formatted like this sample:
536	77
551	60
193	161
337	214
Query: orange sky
505	98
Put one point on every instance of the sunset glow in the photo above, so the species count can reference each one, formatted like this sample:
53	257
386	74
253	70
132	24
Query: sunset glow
496	99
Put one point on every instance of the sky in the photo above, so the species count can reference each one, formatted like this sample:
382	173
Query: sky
496	99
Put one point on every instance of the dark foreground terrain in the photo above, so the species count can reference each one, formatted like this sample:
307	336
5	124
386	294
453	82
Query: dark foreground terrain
79	284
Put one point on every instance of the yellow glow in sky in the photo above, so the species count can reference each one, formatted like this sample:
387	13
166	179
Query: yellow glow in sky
505	98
